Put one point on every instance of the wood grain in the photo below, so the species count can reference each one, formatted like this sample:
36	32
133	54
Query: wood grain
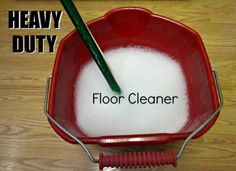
28	143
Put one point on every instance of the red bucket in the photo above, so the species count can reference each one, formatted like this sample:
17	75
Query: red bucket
135	26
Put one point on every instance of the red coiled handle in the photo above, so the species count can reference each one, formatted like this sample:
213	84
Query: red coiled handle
137	159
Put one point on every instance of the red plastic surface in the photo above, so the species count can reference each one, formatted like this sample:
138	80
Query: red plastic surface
134	26
138	159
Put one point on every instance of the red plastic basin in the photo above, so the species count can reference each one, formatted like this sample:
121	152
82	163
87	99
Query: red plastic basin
136	26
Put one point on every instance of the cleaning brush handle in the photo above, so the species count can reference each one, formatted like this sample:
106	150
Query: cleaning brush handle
138	159
91	43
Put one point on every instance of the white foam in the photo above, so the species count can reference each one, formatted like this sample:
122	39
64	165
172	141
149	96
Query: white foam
136	69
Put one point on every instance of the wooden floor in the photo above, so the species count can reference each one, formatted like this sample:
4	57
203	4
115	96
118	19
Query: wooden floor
27	142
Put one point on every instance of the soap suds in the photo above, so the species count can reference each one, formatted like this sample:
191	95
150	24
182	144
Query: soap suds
136	69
